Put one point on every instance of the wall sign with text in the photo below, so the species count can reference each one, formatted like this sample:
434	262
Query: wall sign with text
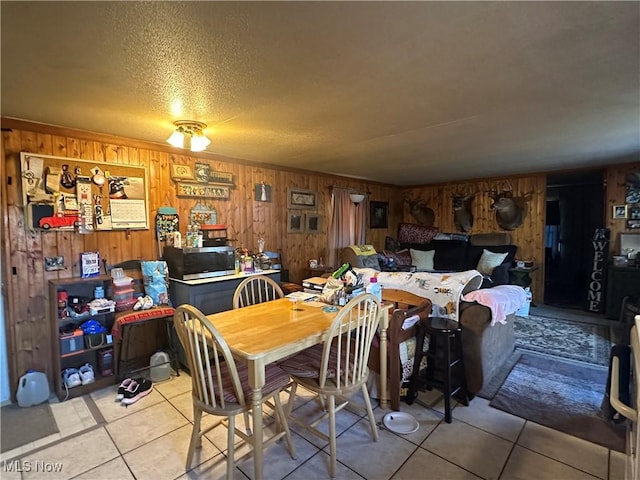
200	190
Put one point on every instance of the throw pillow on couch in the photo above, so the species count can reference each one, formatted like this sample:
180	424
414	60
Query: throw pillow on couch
422	259
489	261
401	258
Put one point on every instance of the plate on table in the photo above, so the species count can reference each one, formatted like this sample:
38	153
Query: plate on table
400	422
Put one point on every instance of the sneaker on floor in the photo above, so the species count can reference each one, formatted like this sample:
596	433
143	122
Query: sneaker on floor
86	374
71	377
136	390
122	387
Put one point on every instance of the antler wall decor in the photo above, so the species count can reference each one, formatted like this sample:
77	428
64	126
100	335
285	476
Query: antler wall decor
420	211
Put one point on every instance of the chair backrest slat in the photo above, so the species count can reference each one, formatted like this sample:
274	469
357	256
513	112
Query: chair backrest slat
350	336
256	289
208	356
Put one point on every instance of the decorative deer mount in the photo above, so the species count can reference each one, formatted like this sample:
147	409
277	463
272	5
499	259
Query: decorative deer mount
463	212
420	212
510	211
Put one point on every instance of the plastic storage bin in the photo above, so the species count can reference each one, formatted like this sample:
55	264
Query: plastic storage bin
160	367
72	342
33	389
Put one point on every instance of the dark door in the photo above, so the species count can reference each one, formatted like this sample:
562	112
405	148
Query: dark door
575	208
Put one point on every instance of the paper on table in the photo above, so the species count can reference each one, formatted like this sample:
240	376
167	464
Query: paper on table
410	322
302	296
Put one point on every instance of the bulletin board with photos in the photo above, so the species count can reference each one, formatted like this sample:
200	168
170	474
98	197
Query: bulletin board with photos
62	193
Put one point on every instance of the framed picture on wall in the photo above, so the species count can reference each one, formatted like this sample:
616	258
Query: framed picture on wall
634	217
619	212
313	223
299	198
263	192
378	214
295	223
633	188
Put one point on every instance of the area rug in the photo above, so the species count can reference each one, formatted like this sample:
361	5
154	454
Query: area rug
586	342
561	394
25	425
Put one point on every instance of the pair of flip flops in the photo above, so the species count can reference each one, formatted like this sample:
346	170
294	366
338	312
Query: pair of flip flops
143	303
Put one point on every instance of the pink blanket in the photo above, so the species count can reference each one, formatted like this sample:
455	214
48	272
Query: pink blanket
501	300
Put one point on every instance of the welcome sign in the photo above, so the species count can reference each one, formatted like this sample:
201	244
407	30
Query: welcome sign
595	299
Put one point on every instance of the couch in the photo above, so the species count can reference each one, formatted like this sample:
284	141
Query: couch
451	253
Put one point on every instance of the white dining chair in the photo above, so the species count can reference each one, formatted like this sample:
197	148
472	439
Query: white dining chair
221	388
256	289
337	367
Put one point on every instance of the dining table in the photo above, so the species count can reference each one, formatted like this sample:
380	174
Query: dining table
267	332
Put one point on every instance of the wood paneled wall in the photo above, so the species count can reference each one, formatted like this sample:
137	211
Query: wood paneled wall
25	281
529	237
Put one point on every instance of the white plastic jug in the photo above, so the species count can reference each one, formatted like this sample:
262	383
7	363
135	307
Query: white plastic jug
33	389
160	367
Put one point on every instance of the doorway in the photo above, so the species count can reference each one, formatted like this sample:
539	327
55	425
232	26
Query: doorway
575	209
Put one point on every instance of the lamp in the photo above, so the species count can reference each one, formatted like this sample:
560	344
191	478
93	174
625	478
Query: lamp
356	198
194	130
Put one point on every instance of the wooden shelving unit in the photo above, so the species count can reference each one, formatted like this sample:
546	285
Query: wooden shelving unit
83	287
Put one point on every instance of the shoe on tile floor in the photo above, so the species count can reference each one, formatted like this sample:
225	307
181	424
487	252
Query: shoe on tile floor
139	388
86	374
122	387
71	377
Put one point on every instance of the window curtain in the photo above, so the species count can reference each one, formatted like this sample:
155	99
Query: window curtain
348	224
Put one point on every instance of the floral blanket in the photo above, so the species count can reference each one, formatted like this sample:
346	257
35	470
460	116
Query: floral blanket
443	289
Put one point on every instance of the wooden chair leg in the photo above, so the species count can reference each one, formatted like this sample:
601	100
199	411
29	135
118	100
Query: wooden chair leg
247	423
195	436
332	435
231	431
292	396
282	419
372	420
394	366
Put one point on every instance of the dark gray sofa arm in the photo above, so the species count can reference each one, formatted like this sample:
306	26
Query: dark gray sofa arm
485	347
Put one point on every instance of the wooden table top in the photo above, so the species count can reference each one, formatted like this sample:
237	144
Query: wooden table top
269	327
272	329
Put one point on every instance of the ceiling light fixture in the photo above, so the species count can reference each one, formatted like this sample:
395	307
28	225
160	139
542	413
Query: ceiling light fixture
192	129
356	198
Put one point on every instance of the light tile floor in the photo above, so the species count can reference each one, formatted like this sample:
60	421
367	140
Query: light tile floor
149	439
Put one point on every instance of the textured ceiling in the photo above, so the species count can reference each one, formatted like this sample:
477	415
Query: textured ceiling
402	93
